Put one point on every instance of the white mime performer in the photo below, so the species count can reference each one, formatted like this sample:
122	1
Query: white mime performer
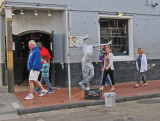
87	66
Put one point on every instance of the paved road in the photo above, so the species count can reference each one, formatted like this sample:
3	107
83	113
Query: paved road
140	110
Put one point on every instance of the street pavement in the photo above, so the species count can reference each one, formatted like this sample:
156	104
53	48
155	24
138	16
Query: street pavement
139	110
8	104
60	95
13	103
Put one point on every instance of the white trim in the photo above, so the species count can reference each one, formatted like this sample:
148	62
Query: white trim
8	12
130	36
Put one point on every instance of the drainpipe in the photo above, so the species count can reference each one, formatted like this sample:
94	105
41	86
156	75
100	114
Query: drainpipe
2	51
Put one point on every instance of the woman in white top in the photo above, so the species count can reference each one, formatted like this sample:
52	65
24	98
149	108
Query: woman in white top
108	68
141	64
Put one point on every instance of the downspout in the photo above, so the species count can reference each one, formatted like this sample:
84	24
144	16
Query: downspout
2	51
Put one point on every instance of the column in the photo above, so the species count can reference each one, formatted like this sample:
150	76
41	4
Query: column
10	66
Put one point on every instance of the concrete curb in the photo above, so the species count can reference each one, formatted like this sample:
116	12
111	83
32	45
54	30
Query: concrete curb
21	111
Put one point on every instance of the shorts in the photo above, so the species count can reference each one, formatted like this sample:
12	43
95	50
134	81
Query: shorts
33	75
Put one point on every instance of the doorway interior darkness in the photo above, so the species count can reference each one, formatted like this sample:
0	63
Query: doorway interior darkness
25	38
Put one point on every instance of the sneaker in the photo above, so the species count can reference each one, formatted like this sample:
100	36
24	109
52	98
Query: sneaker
43	92
35	92
82	85
87	88
50	92
29	97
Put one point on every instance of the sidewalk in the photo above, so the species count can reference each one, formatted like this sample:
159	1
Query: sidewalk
60	98
8	101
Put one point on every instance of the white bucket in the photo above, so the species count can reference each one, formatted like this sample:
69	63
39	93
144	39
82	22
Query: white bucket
110	99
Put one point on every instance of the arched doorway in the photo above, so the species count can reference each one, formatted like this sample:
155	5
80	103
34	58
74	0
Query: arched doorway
21	46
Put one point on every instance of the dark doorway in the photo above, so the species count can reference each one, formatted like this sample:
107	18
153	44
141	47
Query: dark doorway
23	42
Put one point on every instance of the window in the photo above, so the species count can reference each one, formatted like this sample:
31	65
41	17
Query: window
117	31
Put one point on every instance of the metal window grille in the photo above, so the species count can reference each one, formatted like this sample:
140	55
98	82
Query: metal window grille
117	31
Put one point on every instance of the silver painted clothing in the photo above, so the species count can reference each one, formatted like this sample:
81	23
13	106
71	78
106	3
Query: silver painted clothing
88	73
88	53
87	67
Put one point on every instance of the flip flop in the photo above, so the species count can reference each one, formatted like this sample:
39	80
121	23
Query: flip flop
144	85
136	86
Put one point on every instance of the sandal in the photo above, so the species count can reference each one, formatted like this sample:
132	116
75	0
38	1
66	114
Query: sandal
113	89
144	85
101	88
136	86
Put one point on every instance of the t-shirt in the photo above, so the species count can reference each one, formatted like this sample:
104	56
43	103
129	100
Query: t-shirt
45	52
101	55
45	69
139	61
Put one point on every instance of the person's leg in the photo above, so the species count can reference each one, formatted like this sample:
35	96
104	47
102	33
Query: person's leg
43	91
112	79
100	85
109	82
111	76
144	79
48	84
85	72
39	85
105	73
89	76
42	81
139	78
31	86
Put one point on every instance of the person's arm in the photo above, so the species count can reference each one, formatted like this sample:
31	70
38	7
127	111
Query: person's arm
36	61
48	56
48	61
97	45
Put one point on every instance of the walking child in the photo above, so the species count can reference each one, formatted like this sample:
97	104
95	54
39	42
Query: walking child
45	76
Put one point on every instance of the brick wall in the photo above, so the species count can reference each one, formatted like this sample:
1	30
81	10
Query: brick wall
125	71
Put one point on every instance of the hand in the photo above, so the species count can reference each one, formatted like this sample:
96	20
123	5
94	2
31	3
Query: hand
144	70
134	60
107	68
102	69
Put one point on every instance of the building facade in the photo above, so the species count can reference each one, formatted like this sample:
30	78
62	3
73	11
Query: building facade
130	24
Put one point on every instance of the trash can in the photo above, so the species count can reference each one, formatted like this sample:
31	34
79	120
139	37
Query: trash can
110	99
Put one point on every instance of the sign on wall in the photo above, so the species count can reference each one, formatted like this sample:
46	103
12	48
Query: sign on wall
77	40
